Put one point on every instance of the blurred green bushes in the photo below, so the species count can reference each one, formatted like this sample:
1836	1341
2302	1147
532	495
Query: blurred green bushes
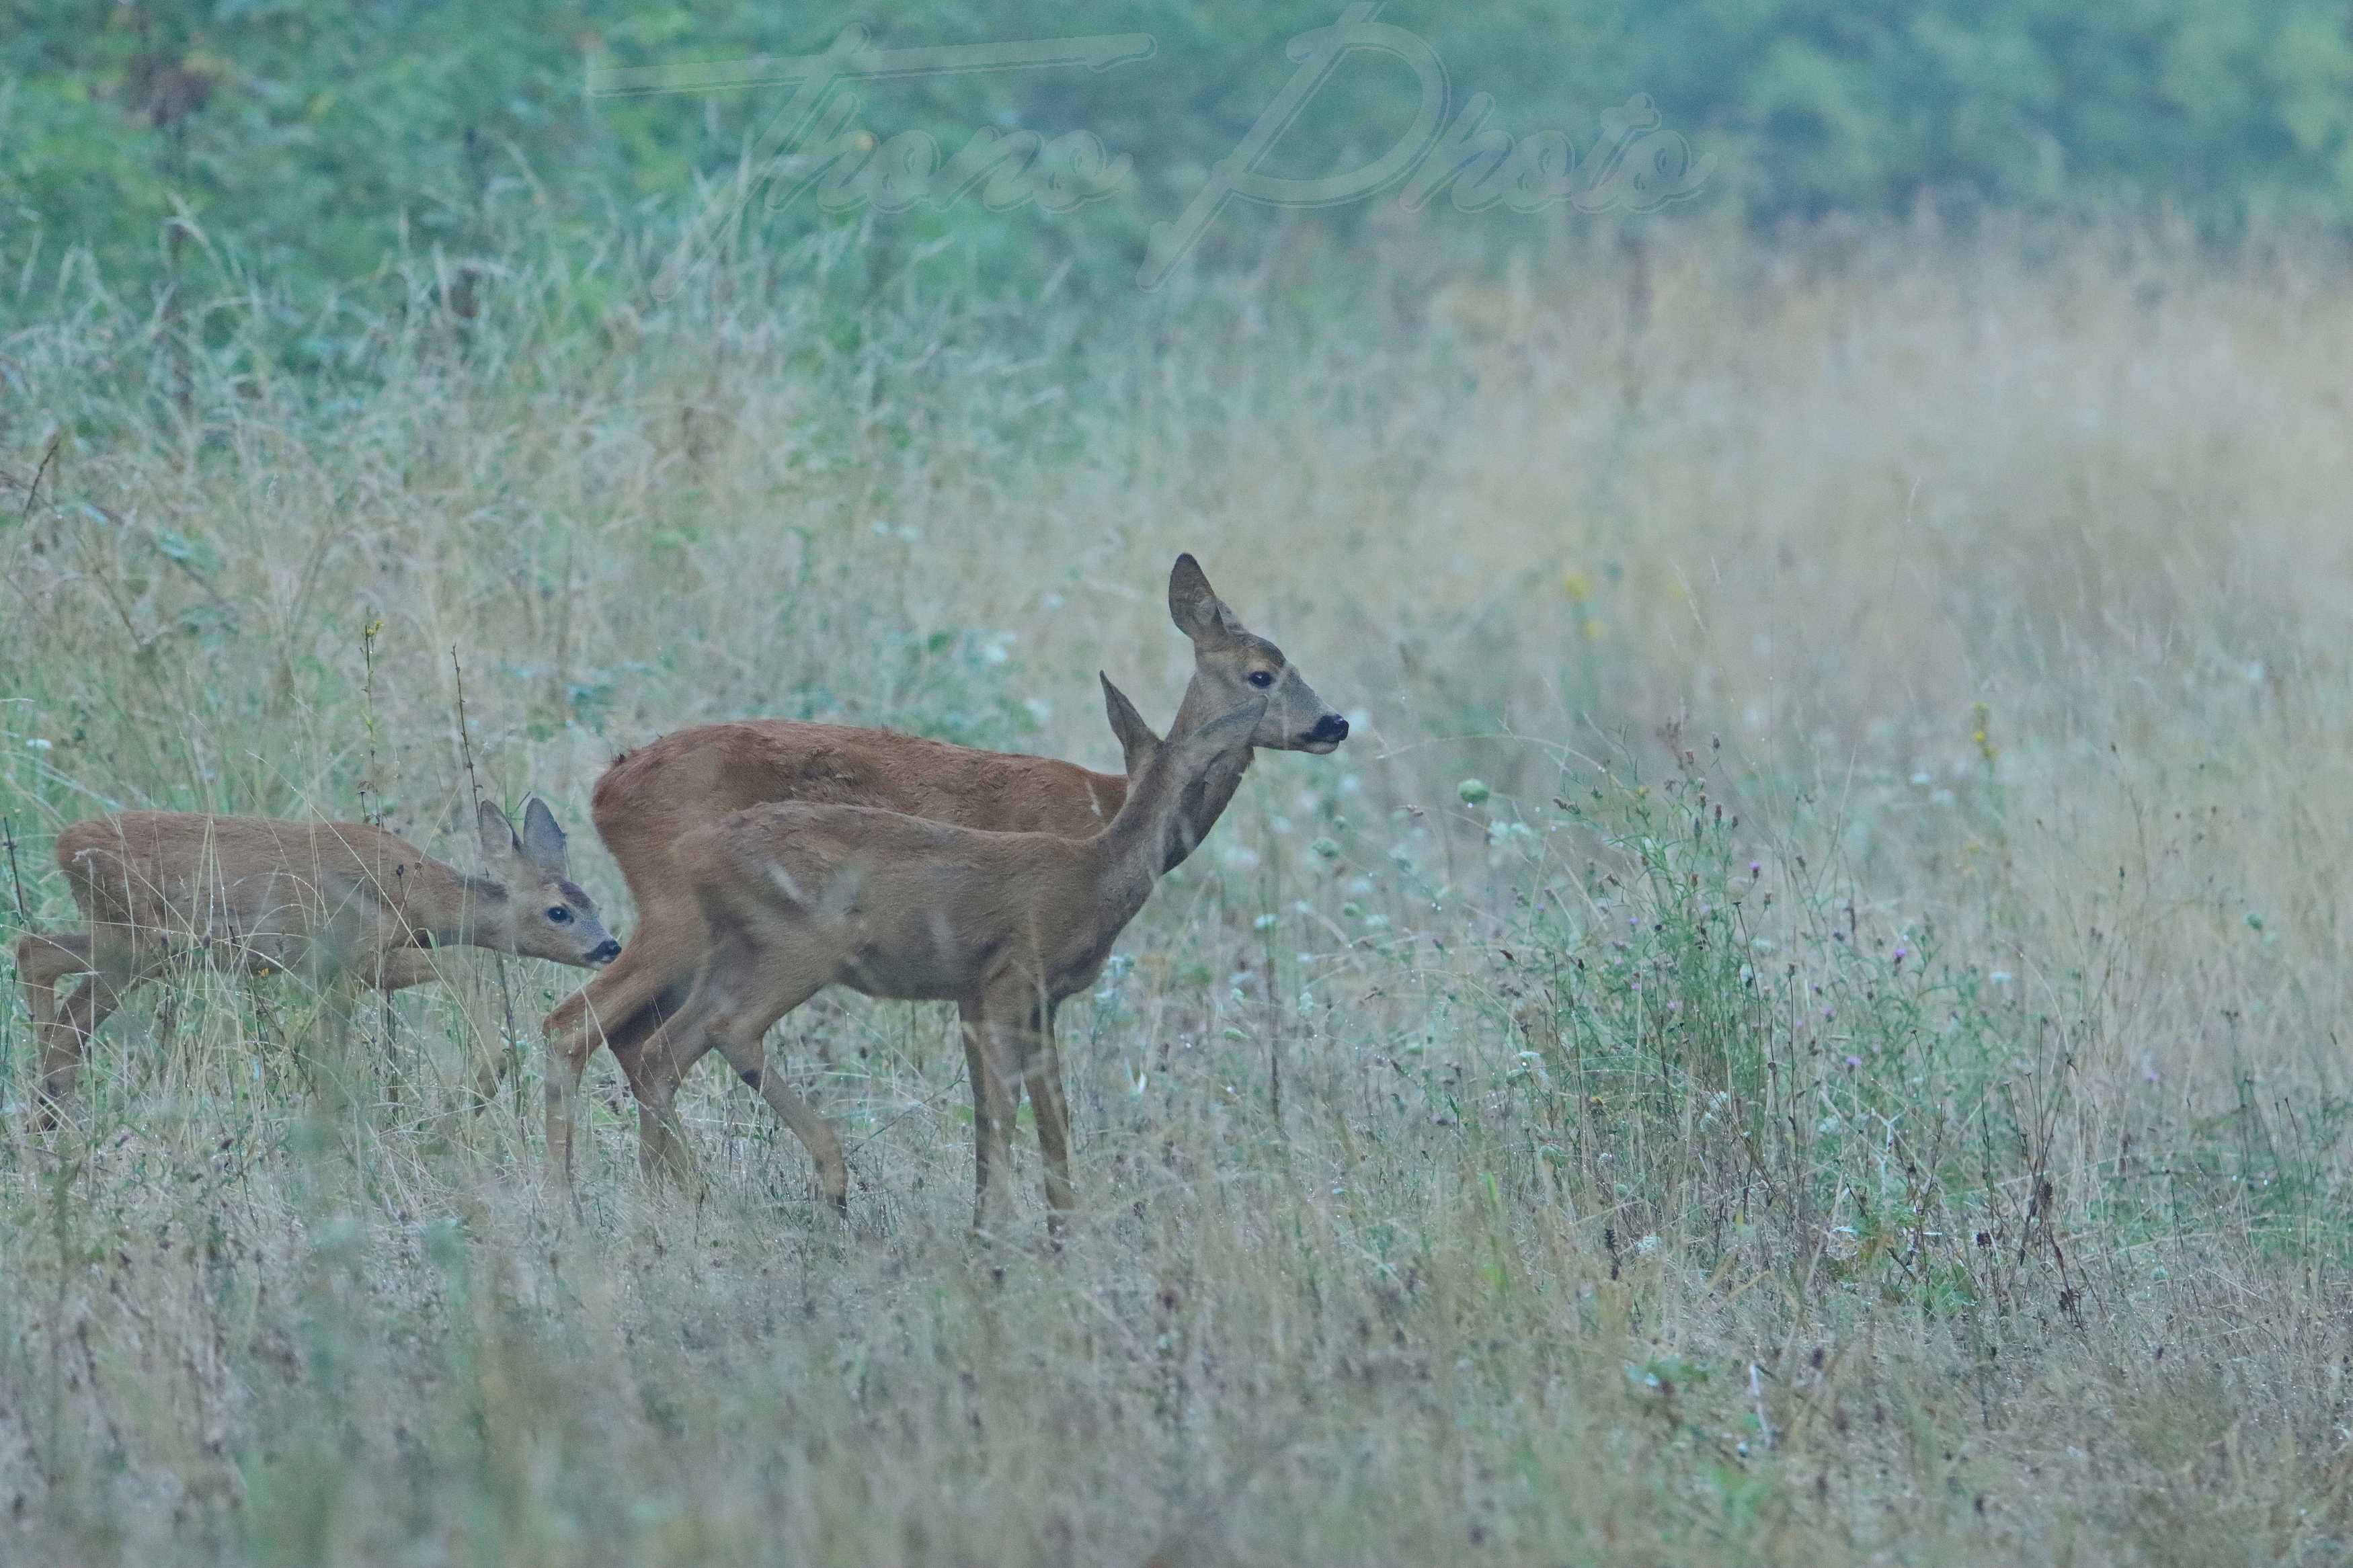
307	142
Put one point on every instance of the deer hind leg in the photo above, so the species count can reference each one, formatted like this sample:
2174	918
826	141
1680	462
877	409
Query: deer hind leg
644	1049
1011	1022
740	995
115	970
618	1006
44	958
816	1133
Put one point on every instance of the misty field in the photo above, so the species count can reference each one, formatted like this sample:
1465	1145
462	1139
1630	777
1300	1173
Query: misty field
1806	1024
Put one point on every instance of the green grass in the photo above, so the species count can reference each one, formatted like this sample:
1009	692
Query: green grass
1860	1083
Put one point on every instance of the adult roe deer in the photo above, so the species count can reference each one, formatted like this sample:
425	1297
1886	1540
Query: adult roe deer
256	893
647	799
796	897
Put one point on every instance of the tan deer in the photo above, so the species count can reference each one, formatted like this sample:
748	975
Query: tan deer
798	896
331	898
650	798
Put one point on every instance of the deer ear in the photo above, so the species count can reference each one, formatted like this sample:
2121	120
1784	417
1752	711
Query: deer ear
1195	606
1137	741
498	842
543	838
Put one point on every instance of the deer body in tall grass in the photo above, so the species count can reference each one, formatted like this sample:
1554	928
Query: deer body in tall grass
652	797
331	900
796	897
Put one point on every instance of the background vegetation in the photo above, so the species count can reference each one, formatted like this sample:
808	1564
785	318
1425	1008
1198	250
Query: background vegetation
1804	1026
311	142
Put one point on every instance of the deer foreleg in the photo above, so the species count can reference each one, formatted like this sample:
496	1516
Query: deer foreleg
972	1025
1043	1079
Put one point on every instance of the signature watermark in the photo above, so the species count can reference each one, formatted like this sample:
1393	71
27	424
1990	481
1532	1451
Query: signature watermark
814	147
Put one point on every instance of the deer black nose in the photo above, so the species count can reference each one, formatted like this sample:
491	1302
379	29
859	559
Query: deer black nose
605	951
1330	730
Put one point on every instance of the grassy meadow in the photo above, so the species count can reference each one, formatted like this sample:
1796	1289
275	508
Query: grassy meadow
1806	1024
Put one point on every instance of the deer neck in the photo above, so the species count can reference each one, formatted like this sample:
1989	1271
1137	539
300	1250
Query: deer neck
1149	833
1205	797
473	913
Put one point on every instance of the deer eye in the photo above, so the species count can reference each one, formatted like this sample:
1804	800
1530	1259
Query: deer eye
1261	678
558	915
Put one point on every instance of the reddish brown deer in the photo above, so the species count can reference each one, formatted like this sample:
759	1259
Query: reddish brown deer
652	796
798	897
331	898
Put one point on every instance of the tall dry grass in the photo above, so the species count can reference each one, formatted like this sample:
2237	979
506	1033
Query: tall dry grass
1861	1081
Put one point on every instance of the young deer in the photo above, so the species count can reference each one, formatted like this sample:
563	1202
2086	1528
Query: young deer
798	896
649	798
330	898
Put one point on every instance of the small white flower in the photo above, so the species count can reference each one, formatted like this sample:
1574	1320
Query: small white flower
38	744
1648	1246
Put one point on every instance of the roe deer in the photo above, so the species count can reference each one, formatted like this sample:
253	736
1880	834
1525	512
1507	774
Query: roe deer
255	893
798	897
648	799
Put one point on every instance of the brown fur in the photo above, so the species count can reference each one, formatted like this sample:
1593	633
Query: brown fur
249	892
797	896
657	792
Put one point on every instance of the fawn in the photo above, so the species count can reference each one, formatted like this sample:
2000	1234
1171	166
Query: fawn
255	893
796	897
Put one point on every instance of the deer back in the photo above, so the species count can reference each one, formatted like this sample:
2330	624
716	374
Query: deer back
901	906
645	801
252	881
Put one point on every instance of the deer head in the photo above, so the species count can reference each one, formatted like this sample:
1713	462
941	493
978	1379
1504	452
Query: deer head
1233	665
532	908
